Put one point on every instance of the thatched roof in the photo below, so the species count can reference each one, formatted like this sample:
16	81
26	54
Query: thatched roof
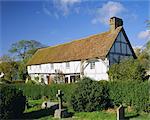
96	46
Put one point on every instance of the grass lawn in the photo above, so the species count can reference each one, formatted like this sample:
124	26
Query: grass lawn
35	110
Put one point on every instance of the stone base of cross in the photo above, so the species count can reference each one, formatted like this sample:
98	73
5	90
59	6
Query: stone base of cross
61	113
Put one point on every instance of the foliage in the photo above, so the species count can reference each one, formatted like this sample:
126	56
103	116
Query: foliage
34	91
130	93
8	67
17	81
128	69
25	48
143	55
22	71
89	96
12	102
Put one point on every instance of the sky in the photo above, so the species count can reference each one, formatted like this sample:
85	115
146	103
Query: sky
53	22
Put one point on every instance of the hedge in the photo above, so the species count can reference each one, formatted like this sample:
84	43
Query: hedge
32	91
129	93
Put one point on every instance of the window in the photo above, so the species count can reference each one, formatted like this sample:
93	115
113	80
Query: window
52	66
72	79
92	65
67	65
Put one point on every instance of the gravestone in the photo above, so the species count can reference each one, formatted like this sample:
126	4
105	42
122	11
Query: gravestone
48	104
60	113
120	113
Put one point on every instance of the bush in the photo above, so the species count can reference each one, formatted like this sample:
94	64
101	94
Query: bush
12	102
130	93
128	69
17	81
33	91
89	96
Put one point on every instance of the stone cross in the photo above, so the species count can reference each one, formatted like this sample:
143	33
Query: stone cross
60	95
120	113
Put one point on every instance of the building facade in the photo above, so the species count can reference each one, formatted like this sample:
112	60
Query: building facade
90	57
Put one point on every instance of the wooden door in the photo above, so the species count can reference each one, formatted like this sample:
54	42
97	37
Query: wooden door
49	81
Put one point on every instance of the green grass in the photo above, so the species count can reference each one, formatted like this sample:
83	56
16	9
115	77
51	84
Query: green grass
95	116
34	105
98	115
105	116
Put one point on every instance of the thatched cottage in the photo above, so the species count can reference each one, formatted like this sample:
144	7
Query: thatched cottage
90	56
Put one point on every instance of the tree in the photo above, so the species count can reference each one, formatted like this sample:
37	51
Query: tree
143	55
129	69
24	49
8	67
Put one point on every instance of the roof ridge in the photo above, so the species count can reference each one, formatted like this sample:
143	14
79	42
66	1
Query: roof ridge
76	40
97	45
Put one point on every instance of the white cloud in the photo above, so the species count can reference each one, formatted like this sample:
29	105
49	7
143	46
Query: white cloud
144	34
108	10
65	6
59	8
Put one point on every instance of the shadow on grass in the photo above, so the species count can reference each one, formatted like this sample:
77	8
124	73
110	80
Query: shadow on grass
131	116
40	113
43	113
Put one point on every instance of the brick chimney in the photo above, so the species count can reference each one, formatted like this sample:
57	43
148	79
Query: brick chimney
115	22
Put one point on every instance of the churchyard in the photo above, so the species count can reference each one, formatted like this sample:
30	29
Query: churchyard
75	60
87	99
98	115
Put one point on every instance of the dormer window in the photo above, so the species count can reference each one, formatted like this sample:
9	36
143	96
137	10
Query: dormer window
92	65
67	65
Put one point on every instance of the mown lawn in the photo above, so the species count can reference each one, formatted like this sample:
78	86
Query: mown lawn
35	110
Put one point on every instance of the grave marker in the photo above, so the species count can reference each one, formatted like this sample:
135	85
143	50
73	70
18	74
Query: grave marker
120	113
60	95
59	113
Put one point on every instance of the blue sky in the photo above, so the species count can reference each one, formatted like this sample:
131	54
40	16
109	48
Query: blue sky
53	22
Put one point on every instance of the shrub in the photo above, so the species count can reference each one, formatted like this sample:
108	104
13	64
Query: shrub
95	95
89	96
17	81
130	93
33	91
128	69
12	102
